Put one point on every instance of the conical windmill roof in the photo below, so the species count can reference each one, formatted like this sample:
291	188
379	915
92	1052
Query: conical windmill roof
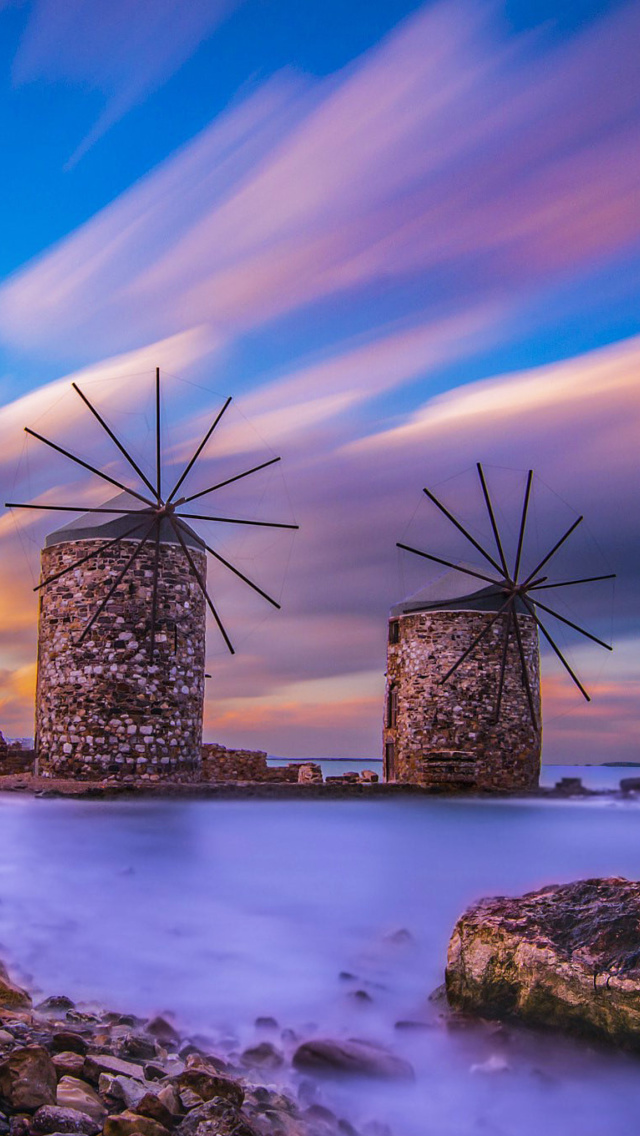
453	590
101	526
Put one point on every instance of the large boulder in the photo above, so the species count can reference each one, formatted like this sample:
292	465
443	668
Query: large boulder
52	1118
28	1079
567	956
357	1058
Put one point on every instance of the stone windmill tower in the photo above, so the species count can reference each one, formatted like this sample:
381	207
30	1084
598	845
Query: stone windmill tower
121	636
463	706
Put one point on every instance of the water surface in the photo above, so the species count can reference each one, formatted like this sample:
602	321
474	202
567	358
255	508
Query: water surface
224	910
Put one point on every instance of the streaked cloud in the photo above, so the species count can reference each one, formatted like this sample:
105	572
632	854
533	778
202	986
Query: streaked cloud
121	49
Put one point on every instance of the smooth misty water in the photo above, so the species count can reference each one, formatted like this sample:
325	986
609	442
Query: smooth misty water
220	911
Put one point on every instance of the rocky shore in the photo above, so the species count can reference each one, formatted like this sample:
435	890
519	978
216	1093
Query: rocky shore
565	957
83	1072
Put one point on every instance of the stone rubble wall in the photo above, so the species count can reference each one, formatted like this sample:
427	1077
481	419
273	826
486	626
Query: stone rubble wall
445	733
16	760
103	709
222	764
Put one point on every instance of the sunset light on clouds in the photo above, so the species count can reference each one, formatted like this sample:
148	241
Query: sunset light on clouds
404	240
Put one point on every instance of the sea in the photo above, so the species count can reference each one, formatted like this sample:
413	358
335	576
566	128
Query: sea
332	918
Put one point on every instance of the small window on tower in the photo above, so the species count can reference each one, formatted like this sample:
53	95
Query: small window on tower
392	707
394	631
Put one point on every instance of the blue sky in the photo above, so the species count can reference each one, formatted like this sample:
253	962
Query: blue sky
404	236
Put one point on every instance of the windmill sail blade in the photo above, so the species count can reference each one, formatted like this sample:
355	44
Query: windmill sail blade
503	662
556	649
113	437
84	559
85	465
238	573
447	563
523	524
199	450
115	584
71	508
555	548
202	586
567	583
158	447
525	671
494	526
485	631
240	521
575	627
229	481
461	529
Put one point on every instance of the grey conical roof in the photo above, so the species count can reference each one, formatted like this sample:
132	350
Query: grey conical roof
103	526
453	590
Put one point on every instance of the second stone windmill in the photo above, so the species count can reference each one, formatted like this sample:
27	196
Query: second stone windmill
463	706
121	636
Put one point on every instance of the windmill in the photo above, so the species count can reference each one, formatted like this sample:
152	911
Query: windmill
463	691
124	596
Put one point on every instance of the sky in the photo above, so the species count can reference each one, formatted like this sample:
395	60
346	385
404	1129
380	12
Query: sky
405	238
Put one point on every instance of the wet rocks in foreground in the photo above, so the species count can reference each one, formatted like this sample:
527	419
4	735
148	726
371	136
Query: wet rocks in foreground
566	956
356	1058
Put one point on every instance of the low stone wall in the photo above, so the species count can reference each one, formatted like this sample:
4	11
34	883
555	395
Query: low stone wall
16	760
222	764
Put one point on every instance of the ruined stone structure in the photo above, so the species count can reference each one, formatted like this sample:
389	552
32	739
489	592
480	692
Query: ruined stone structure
103	707
445	733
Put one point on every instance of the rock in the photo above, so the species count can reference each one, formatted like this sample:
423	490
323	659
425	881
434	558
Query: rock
569	787
52	1118
262	1056
267	1023
494	1064
189	1099
630	785
28	1079
152	1107
68	1064
310	773
215	1118
208	1084
97	1063
170	1099
20	1125
68	1041
122	1090
12	997
357	1058
137	1047
6	1038
74	1093
58	1004
368	776
126	1123
163	1031
567	956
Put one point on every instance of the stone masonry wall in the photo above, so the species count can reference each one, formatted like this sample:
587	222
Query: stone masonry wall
103	709
222	764
445	734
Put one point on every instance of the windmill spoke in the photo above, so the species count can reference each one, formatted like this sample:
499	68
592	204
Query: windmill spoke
485	631
198	452
85	465
158	490
553	551
556	649
238	573
115	584
461	529
575	627
84	559
113	437
447	563
525	672
72	508
202	585
523	524
229	480
241	521
566	583
503	662
494	526
154	592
